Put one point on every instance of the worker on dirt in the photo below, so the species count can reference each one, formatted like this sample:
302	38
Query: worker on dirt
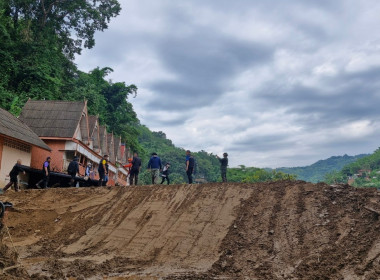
13	176
223	166
73	170
190	163
135	169
103	170
165	173
45	174
155	165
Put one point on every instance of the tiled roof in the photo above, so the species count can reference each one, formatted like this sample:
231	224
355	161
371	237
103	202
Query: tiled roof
91	123
12	127
116	145
111	149
52	118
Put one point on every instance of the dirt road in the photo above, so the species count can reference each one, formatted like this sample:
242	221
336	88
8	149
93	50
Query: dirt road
281	230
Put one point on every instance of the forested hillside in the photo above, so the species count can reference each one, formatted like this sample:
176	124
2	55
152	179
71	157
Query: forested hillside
317	171
365	172
206	167
38	41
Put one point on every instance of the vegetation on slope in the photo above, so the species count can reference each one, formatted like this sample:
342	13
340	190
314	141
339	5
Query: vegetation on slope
317	171
365	172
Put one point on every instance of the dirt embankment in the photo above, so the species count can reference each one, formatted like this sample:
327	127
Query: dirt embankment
282	230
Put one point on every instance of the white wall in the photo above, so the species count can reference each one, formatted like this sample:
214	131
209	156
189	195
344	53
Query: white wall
9	159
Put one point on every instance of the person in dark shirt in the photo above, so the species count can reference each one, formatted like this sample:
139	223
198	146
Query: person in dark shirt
13	176
45	174
223	166
73	170
135	169
189	166
155	165
165	173
103	170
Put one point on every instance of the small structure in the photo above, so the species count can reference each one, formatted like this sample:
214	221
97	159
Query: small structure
66	127
17	141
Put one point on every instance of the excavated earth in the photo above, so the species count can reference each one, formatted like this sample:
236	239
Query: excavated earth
278	230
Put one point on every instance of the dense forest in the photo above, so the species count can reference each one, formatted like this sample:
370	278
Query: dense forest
317	171
364	172
38	43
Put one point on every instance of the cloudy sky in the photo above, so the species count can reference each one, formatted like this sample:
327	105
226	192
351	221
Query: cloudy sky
273	83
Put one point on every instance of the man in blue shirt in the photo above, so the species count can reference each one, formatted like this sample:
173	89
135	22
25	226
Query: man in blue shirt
45	174
155	166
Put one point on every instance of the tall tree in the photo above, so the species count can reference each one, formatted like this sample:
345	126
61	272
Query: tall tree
73	21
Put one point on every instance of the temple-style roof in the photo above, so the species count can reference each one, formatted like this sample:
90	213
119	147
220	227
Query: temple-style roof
54	118
12	127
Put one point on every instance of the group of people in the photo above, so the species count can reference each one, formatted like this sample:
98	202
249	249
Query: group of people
154	165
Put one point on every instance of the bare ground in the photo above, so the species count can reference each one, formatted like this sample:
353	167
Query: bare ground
280	230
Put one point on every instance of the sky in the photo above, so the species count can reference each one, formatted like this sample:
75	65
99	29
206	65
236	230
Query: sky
273	83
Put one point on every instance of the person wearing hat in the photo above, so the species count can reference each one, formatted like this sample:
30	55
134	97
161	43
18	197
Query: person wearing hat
45	174
72	170
223	166
154	165
165	173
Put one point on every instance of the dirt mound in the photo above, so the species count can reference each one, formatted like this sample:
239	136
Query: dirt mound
9	267
282	230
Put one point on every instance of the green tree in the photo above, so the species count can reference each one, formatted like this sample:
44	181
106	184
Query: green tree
72	22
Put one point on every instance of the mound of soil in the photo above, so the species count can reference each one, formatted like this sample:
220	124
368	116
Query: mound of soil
9	266
280	230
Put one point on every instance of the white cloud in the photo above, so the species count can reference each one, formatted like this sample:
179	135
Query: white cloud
273	83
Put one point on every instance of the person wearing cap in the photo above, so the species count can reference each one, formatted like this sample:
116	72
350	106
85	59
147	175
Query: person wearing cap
72	170
45	174
103	170
190	163
223	166
155	165
165	173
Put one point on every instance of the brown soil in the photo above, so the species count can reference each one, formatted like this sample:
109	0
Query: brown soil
280	230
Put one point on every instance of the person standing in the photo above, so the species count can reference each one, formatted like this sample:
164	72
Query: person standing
165	173
189	166
223	166
87	172
45	174
155	166
135	169
72	170
13	176
103	170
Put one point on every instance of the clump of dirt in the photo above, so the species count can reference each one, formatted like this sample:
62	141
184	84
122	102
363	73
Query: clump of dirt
277	230
9	266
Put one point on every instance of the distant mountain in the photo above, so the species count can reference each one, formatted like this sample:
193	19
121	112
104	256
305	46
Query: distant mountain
316	172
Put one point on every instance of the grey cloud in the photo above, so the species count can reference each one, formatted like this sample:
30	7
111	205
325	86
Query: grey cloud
356	97
204	64
263	143
205	61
